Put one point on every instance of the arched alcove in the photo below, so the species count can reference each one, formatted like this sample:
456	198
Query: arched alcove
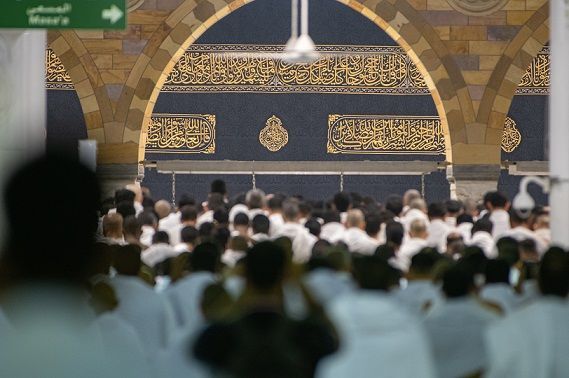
233	97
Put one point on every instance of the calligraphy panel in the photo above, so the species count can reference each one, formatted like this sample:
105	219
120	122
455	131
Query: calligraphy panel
536	79
256	68
56	77
181	133
377	134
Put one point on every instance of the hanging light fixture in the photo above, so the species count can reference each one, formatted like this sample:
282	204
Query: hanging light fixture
300	48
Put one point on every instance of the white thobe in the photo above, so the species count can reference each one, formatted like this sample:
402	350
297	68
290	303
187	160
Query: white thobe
231	257
456	332
521	233
531	342
170	222
302	241
238	208
147	234
438	231
409	248
465	230
501	294
419	296
501	223
327	284
332	232
485	242
257	238
206	217
185	297
157	253
544	235
359	241
378	339
412	215
276	222
147	312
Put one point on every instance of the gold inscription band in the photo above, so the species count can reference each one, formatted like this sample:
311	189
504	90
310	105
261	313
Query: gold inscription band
181	133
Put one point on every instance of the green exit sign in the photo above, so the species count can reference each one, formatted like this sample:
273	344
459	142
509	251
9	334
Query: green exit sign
63	14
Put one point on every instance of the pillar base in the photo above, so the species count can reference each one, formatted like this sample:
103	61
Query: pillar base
472	181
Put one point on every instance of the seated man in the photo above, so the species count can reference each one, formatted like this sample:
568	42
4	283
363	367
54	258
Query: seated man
533	341
262	341
456	327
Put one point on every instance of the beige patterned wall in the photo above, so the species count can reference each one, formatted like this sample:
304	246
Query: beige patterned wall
472	64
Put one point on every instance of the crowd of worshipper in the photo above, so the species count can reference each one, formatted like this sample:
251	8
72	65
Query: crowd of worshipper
275	285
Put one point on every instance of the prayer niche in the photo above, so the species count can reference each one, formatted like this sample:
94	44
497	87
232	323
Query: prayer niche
512	137
273	136
380	134
181	133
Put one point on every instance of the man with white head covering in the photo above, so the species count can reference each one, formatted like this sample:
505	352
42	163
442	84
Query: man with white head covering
302	240
355	236
456	326
533	341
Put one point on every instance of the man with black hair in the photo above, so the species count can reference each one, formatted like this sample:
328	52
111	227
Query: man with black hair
533	341
218	186
313	226
159	251
375	347
275	209
438	227
456	326
482	237
332	229
373	226
497	205
264	341
420	294
464	224
214	201
241	225
454	209
185	294
394	204
139	304
342	202
149	224
260	227
497	288
189	236
187	217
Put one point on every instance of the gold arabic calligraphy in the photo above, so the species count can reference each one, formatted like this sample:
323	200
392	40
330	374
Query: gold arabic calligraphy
512	137
243	68
536	79
376	134
56	77
273	136
185	133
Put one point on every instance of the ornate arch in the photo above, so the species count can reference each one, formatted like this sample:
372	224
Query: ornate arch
403	24
86	79
508	73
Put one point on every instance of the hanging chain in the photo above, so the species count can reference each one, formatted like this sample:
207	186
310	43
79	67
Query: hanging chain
341	181
254	180
423	185
174	189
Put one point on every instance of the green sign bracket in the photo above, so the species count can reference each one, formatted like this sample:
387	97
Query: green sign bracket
63	14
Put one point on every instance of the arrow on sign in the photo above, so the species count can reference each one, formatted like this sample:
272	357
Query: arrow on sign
113	14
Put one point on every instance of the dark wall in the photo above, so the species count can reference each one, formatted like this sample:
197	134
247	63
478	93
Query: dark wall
65	121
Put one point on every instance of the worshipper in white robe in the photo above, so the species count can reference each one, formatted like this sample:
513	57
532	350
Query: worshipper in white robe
533	341
342	202
189	238
521	230
148	312
378	338
274	210
187	217
159	251
148	225
417	210
237	209
456	326
113	229
355	237
438	228
498	205
214	202
482	237
421	294
497	288
416	241
185	295
255	201
302	240
409	196
332	229
541	229
138	197
454	210
464	227
237	250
